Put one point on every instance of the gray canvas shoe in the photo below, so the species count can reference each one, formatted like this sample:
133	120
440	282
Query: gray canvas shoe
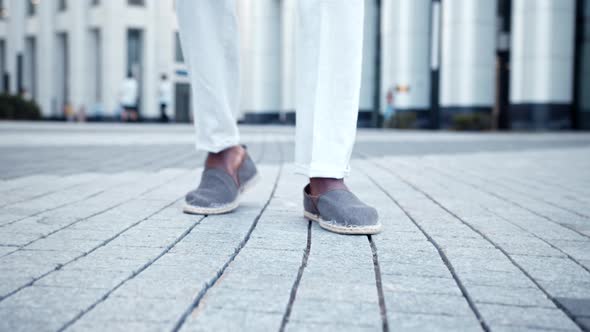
340	211
217	192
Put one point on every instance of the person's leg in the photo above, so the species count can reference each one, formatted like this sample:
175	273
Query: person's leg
210	43
209	36
330	42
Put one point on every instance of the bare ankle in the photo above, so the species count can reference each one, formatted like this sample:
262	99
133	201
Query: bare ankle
319	186
229	159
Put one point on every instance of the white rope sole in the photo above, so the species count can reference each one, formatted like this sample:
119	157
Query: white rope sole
226	208
362	230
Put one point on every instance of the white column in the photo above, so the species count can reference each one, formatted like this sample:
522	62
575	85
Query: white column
114	53
288	59
542	62
406	57
261	48
367	96
78	34
150	108
45	59
15	44
468	57
164	47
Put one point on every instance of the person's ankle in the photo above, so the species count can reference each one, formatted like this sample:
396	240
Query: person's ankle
229	159
318	186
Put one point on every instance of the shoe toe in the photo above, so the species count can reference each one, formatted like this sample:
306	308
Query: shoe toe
196	198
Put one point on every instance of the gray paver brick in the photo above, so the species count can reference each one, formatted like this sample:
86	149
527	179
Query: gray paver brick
505	186
527	317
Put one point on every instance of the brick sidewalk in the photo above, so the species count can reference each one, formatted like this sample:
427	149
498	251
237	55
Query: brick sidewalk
482	232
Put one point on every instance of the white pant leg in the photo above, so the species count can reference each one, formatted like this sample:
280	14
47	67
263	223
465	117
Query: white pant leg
329	61
210	42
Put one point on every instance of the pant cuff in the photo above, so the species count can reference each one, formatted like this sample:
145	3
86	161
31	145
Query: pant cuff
215	148
322	172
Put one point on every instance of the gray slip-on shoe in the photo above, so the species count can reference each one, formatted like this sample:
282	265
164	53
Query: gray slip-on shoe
218	192
340	211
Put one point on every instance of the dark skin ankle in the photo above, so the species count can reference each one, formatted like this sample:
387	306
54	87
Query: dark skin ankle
319	186
229	160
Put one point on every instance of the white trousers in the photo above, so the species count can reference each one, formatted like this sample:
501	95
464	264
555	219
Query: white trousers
329	60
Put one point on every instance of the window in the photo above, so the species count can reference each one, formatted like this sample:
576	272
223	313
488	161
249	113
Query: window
94	3
62	73
4	82
62	5
136	2
178	56
95	65
3	10
30	70
32	7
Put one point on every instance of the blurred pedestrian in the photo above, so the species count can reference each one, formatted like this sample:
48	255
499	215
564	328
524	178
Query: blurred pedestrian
128	97
24	94
330	42
165	97
69	112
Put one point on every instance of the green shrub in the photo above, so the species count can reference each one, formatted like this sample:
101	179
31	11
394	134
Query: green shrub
16	108
402	120
472	121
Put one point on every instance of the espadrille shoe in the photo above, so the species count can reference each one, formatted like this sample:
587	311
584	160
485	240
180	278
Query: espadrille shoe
218	192
340	211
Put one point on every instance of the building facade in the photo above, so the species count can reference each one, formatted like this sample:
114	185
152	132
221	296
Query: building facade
522	64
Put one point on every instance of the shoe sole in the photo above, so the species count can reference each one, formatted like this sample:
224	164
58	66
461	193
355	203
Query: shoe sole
366	230
229	207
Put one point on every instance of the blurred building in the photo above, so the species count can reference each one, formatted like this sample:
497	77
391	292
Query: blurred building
522	63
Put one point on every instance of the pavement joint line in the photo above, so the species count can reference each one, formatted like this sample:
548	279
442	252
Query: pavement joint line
133	275
473	228
90	216
509	201
94	166
542	239
124	162
533	234
44	194
65	204
104	243
519	192
60	206
295	287
379	284
509	305
441	253
535	186
217	277
550	185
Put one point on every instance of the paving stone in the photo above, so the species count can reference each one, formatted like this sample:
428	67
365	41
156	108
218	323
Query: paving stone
419	322
175	277
531	297
579	307
233	320
120	326
429	304
542	318
334	326
526	193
